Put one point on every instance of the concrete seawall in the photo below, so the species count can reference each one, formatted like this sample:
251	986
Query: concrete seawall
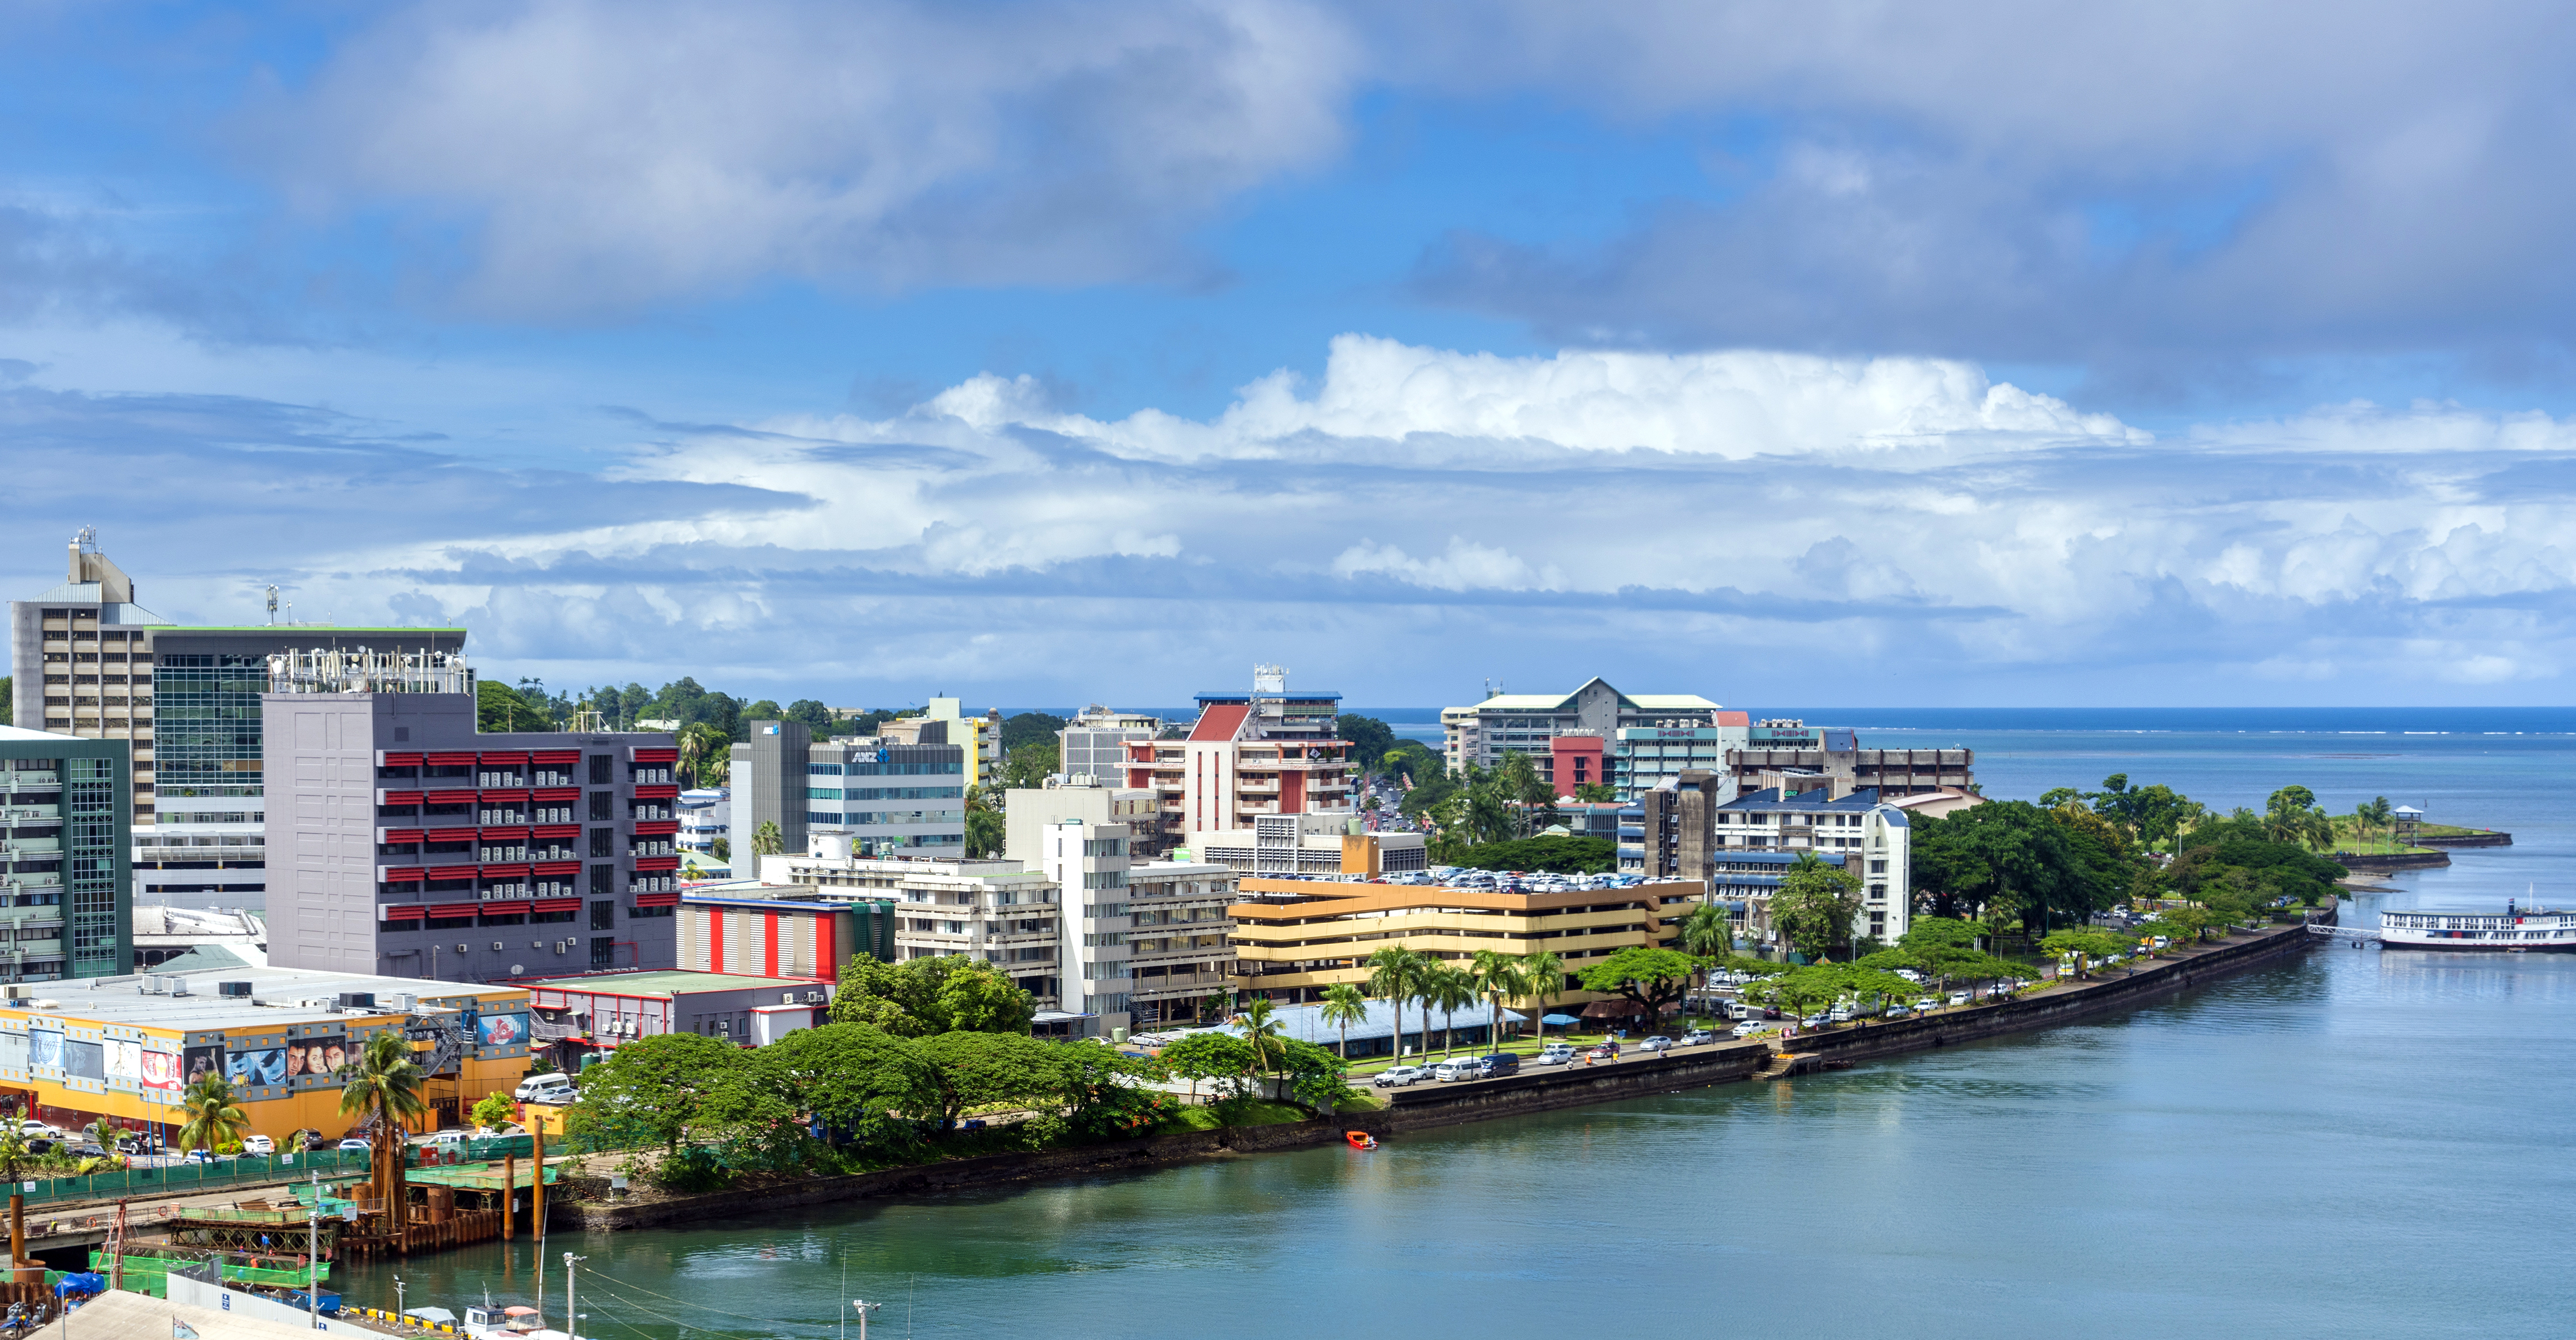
2468	840
1428	1106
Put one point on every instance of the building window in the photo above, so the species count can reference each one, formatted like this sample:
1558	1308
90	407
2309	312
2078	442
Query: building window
603	879
599	770
603	804
603	951
603	915
603	842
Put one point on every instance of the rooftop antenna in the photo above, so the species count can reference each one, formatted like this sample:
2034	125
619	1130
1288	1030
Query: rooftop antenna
272	604
87	540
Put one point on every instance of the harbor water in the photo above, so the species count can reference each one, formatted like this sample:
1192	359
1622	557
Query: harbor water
2354	1143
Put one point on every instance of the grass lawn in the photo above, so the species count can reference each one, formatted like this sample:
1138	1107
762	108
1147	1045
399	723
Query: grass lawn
1251	1114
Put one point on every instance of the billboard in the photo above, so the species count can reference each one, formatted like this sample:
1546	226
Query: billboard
13	1050
501	1030
84	1060
258	1067
124	1060
197	1063
316	1058
159	1070
44	1049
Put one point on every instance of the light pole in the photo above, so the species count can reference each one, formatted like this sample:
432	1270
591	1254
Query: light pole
399	1309
864	1308
573	1318
312	1254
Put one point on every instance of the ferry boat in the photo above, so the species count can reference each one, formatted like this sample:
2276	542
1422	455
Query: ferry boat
2518	929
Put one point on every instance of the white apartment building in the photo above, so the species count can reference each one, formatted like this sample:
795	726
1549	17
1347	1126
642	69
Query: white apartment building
1142	943
996	911
1525	722
1855	829
1029	811
705	813
1309	844
1270	751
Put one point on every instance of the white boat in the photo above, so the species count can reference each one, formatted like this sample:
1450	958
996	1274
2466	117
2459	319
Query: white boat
2518	929
506	1323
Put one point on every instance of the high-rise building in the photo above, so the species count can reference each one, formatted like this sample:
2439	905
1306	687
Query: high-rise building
1270	751
408	844
874	796
1526	723
185	700
1142	943
65	810
1094	743
1793	754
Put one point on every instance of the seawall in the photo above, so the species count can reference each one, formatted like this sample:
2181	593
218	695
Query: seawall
1426	1106
2488	839
2403	860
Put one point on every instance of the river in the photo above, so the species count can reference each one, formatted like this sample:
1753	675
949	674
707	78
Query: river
2352	1143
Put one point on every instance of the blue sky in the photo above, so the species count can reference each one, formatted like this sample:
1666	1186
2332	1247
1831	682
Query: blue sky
1984	354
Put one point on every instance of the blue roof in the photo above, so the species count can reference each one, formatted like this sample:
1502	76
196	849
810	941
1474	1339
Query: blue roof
1863	799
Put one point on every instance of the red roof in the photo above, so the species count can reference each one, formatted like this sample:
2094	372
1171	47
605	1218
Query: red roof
1735	718
1220	721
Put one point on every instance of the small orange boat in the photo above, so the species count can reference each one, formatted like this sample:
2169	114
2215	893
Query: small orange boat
1360	1139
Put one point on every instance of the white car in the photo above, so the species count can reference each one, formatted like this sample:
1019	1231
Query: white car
1927	1004
258	1145
1555	1053
1396	1076
1959	997
1656	1043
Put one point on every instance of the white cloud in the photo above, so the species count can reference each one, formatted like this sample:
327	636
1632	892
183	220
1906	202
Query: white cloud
614	155
1465	565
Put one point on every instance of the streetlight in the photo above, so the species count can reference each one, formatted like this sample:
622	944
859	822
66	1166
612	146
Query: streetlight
864	1308
572	1318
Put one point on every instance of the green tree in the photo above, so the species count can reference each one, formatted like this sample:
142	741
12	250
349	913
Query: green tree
1029	765
1315	1076
1415	762
923	996
2292	815
1532	801
17	1163
1211	1056
813	715
986	830
1450	990
1708	932
1653	978
1370	738
1561	855
8	703
1030	728
385	1091
1343	1007
498	707
1595	793
983	1070
1545	974
852	1078
214	1115
664	1090
706	754
1396	975
1259	1020
1103	1088
493	1111
2377	814
1500	977
767	709
1815	905
766	839
2083	946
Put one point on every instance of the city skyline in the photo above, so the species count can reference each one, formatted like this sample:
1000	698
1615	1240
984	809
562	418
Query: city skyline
2003	356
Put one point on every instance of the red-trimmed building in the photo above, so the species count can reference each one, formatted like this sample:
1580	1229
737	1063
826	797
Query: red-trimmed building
410	845
1270	751
775	930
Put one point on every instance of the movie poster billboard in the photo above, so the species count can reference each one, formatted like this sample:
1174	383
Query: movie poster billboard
502	1030
198	1063
84	1060
124	1060
256	1067
316	1058
44	1049
159	1071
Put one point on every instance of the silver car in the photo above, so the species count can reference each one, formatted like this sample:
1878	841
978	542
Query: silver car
1396	1076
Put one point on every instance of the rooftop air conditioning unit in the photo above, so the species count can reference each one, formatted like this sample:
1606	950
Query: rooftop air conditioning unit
13	992
350	1000
406	1002
178	985
240	989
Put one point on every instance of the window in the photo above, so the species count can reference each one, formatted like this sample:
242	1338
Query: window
603	951
603	915
603	842
603	880
599	773
603	804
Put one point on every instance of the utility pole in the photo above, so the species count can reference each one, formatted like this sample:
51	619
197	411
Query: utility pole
509	1192
572	1319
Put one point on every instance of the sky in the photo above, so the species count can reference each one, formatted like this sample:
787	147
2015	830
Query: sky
1996	353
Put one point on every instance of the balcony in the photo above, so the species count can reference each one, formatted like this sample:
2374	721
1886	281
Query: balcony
23	781
51	846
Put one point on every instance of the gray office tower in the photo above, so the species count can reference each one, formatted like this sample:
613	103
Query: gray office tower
408	845
65	806
184	700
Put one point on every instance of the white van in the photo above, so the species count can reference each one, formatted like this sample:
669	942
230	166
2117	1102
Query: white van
1461	1068
553	1088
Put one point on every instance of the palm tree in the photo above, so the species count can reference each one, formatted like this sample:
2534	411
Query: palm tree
383	1087
1260	1029
1343	1007
1395	975
1708	932
1450	989
766	839
215	1117
16	1161
1542	981
1499	976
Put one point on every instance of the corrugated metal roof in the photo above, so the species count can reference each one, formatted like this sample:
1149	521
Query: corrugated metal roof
1220	721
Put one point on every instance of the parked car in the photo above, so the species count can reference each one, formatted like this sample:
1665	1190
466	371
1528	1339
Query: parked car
207	1156
1909	974
1698	1037
1817	1020
1840	1014
1927	1004
1959	997
88	1149
1899	1010
1396	1076
1496	1064
38	1130
353	1142
258	1145
1556	1053
1656	1043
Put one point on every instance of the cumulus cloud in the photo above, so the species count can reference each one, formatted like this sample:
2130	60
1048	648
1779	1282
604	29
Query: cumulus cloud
606	156
986	539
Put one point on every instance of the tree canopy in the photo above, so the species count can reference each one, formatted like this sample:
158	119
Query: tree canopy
926	996
1653	978
1370	738
1030	728
1816	904
1562	855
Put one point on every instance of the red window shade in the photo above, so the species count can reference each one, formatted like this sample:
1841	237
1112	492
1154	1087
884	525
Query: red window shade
657	755
664	792
556	869
402	836
558	904
555	831
386	760
404	876
454	909
452	834
450	760
656	827
398	798
452	872
450	797
554	758
656	864
671	899
557	794
412	913
505	760
505	872
504	834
